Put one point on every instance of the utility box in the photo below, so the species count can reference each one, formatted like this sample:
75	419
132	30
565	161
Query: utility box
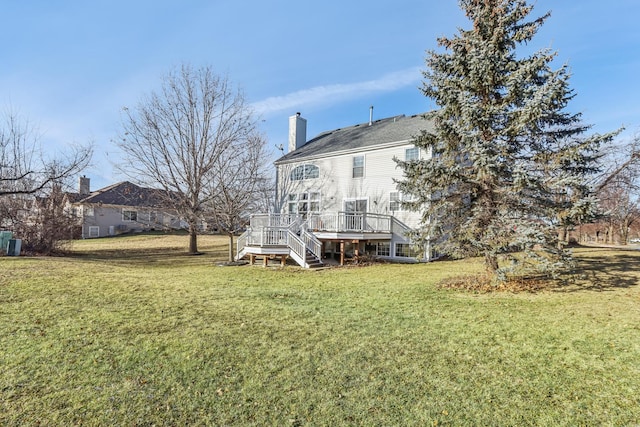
13	247
5	236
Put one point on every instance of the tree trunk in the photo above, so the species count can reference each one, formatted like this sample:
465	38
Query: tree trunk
193	239
624	232
562	237
610	235
231	257
491	261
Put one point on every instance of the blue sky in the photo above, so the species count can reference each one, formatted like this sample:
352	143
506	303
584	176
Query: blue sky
70	66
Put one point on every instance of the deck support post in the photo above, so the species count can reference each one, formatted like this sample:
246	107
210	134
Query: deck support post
266	260
341	252
283	260
252	259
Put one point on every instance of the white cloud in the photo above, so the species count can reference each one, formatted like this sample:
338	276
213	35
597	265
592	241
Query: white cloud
325	95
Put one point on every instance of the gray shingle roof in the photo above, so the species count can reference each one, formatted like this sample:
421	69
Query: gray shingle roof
398	129
126	194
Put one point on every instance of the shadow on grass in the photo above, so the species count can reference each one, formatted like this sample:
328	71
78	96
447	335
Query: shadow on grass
604	270
167	257
135	257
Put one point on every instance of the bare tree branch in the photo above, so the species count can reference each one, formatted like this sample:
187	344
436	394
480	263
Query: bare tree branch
179	138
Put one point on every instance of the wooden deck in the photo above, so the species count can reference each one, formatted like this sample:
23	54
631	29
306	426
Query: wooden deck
304	239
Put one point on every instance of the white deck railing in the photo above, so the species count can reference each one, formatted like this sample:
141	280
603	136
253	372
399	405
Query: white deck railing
267	236
349	221
274	220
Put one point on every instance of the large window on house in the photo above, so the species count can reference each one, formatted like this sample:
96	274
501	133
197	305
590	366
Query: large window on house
405	250
129	216
395	201
412	153
358	167
383	249
305	172
88	211
304	203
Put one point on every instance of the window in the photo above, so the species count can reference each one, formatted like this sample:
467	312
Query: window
305	172
94	231
355	205
358	167
293	203
314	202
129	216
412	153
303	203
396	199
88	211
405	250
148	217
383	249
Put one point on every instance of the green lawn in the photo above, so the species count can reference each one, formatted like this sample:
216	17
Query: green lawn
131	331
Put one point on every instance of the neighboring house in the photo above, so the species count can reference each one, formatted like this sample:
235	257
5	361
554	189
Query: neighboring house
120	208
336	195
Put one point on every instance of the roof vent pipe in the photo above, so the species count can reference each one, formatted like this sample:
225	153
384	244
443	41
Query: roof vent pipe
370	115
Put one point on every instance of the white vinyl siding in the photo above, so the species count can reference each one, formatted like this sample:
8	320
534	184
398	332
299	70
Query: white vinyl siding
337	185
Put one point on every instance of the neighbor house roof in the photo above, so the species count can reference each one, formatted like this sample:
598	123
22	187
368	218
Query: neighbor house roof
398	129
126	194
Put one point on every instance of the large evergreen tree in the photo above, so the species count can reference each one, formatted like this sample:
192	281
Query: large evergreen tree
509	163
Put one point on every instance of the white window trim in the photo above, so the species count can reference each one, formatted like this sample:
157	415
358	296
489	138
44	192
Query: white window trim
129	220
299	198
92	229
388	248
402	197
304	167
364	166
412	148
354	199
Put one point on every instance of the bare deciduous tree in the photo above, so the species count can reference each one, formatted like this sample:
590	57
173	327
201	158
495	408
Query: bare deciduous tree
25	168
31	183
177	139
619	191
238	185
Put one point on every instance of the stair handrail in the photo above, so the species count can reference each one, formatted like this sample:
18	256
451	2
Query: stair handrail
312	244
297	247
241	243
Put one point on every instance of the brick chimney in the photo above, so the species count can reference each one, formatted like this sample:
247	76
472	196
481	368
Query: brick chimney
84	186
297	132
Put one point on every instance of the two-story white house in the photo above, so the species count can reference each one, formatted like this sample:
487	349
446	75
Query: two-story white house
336	196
